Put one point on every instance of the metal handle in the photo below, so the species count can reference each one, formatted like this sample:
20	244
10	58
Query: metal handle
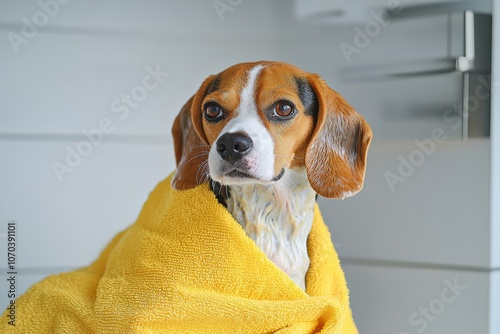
469	53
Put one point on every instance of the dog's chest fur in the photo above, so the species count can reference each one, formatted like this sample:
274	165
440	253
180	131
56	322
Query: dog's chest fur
278	218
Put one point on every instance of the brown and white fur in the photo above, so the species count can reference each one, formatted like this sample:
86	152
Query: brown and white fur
269	137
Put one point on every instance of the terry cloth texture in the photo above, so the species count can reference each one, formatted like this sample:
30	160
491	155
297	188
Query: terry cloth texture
186	266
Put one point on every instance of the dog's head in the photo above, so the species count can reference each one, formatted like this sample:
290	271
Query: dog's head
254	121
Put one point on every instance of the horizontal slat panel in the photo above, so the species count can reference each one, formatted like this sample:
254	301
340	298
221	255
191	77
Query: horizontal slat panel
439	214
94	77
61	224
411	224
175	17
409	301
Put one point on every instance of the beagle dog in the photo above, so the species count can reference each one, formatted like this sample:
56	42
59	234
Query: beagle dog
269	137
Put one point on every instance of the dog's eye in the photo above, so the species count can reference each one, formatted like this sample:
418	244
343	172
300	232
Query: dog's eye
284	109
213	112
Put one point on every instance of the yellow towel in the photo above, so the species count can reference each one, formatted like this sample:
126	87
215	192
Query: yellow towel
186	266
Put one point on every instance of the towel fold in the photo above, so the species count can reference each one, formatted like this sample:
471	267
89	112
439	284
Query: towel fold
186	266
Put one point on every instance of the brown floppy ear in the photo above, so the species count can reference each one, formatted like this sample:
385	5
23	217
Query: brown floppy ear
191	148
336	154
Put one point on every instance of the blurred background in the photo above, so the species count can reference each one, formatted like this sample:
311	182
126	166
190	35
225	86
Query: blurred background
89	91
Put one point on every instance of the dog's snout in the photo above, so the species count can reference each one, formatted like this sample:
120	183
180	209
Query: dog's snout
233	146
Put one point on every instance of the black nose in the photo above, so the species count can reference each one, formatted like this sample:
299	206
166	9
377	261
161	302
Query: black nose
233	146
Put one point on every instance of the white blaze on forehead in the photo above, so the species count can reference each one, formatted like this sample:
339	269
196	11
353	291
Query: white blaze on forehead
247	109
247	120
247	97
